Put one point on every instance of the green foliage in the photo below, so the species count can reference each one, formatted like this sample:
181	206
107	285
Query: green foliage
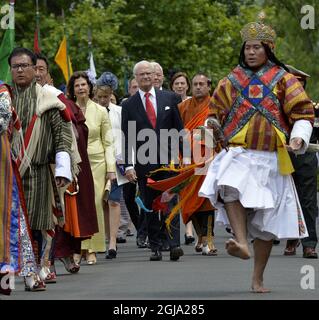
296	46
180	35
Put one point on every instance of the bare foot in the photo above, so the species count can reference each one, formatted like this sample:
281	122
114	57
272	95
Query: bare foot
236	249
259	288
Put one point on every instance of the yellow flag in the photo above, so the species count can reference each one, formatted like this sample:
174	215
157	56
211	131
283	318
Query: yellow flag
61	60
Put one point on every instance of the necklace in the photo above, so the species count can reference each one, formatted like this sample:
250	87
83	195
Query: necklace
83	105
83	109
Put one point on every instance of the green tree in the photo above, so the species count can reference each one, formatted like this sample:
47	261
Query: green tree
295	45
183	36
180	34
103	20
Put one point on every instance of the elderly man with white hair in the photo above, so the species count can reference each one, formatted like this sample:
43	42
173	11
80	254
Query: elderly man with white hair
148	113
158	75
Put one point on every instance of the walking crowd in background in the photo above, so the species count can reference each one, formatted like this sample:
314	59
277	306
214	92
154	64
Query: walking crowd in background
78	170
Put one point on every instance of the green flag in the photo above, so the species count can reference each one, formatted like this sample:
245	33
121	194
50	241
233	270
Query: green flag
6	47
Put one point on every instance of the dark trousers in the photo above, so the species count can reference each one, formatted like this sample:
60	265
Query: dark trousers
156	228
305	178
171	239
138	217
37	241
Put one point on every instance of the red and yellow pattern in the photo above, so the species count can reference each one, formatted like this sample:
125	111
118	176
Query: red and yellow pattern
261	134
255	91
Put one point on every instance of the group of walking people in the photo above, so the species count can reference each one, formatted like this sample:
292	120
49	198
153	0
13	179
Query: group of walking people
67	159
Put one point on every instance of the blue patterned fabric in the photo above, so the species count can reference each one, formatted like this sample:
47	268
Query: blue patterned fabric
14	232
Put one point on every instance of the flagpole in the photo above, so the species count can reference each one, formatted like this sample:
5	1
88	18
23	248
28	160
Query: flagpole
90	40
37	17
90	44
67	44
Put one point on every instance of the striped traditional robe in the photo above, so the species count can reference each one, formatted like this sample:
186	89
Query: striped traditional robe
261	134
54	136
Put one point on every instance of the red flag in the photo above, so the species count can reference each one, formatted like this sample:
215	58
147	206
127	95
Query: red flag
36	47
158	205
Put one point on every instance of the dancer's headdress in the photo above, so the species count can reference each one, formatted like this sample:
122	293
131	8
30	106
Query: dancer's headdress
259	31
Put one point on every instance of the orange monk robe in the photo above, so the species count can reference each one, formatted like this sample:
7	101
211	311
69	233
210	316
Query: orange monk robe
194	114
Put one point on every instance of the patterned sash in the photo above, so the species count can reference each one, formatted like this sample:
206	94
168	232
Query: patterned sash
255	95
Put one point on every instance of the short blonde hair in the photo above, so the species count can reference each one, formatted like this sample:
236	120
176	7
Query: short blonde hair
156	64
105	89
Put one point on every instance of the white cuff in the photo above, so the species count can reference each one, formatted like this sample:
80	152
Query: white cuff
211	119
187	160
206	121
302	129
63	165
129	168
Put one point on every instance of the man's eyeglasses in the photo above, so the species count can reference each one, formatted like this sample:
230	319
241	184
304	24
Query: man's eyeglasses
21	65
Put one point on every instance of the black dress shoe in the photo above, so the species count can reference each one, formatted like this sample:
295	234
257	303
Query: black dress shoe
129	233
111	254
189	239
120	240
175	253
165	248
156	256
310	253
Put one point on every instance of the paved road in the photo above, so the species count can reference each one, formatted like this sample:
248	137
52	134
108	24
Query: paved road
132	276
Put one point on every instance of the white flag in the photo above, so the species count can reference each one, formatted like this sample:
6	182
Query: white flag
92	72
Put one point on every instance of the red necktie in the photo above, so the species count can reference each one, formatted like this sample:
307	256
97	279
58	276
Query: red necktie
150	109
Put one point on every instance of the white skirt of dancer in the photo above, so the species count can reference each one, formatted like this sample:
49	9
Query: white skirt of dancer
252	177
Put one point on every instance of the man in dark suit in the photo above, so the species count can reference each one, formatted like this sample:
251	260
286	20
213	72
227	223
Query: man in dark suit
305	178
146	117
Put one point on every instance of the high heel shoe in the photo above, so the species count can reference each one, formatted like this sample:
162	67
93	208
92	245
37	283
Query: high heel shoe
199	247
69	265
111	254
47	276
77	258
91	258
32	282
291	247
189	239
207	251
209	248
